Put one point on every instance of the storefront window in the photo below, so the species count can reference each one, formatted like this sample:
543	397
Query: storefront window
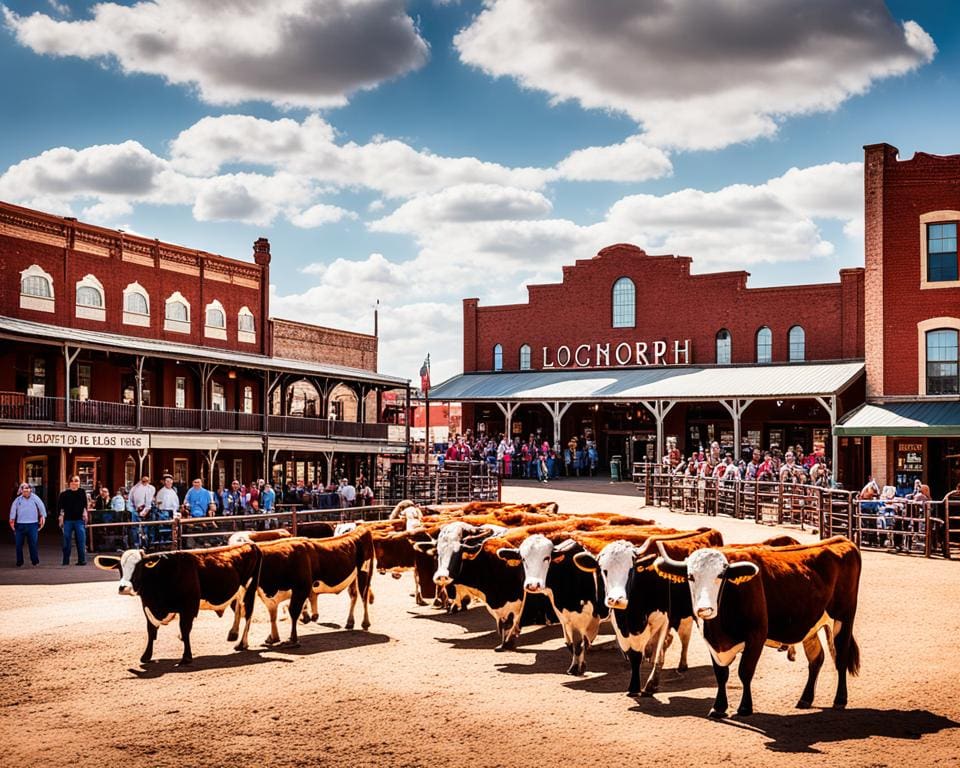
129	473
180	471
724	343
218	399
942	362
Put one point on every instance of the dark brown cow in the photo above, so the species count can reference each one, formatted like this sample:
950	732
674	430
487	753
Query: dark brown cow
800	590
172	584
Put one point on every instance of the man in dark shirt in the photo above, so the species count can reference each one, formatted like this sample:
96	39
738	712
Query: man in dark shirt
72	509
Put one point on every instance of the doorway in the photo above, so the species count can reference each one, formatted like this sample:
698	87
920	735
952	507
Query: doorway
35	470
87	469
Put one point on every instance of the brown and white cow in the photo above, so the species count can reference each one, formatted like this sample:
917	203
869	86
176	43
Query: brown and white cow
748	597
181	584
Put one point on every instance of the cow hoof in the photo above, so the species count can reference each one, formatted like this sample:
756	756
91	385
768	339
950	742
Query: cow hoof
743	712
802	704
633	694
839	705
146	660
185	662
681	668
231	636
648	692
348	625
717	715
304	619
365	625
290	644
315	617
240	647
270	642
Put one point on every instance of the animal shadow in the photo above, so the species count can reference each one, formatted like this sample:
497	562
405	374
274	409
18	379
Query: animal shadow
616	676
161	667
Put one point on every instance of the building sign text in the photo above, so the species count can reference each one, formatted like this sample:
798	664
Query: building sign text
625	353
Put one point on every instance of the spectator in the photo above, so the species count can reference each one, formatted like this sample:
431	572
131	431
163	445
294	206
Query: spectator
119	504
268	498
198	499
233	500
168	507
103	506
72	513
348	494
27	516
364	493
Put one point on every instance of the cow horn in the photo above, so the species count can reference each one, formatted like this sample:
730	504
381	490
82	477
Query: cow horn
668	568
565	545
151	563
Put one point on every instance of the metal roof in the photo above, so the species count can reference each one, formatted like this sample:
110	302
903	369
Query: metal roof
11	326
661	383
914	418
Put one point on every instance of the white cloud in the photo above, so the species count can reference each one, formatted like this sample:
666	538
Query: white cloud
696	75
631	160
320	214
308	53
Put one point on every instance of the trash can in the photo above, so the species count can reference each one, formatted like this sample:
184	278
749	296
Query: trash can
615	469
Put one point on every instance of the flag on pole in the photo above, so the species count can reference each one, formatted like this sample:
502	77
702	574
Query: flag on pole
425	375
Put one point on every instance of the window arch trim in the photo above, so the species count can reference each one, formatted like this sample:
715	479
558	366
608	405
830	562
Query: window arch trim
498	357
246	334
764	335
174	324
90	284
33	300
796	347
727	357
134	317
924	327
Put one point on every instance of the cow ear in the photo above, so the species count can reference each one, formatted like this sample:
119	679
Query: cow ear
738	573
585	562
509	555
470	551
107	562
425	547
671	570
151	563
645	563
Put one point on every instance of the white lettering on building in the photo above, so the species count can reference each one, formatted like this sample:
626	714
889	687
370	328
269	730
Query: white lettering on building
563	357
576	357
659	352
623	359
545	363
639	353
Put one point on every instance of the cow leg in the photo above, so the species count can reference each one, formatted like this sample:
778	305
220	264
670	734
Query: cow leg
365	595
418	595
234	632
815	656
722	674
186	624
683	632
310	611
246	604
848	659
509	631
634	657
147	654
748	665
274	637
578	650
354	593
297	600
663	640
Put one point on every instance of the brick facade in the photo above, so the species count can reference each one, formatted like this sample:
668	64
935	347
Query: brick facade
898	193
671	304
298	341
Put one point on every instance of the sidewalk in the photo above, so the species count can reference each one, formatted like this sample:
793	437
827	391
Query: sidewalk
600	484
49	571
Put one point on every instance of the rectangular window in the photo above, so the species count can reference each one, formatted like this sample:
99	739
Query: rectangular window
129	394
248	399
181	397
129	473
336	410
218	398
941	252
84	375
238	470
180	471
38	379
942	362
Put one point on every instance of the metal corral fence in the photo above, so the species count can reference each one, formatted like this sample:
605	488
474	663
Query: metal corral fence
919	527
456	483
193	532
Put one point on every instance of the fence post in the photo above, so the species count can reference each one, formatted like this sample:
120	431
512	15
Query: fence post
293	521
926	530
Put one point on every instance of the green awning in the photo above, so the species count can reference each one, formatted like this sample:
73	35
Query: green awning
910	419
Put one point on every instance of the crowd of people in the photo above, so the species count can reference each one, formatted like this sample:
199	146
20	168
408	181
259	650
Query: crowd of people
532	459
792	466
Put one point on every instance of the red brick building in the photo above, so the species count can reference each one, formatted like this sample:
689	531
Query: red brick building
633	350
910	427
122	355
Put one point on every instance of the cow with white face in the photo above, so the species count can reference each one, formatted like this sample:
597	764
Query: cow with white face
127	564
749	597
641	609
575	596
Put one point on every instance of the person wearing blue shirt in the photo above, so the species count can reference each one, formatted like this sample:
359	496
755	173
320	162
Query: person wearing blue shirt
27	516
268	498
198	499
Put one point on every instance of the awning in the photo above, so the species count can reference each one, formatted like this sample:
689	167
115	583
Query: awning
650	383
910	419
12	327
323	445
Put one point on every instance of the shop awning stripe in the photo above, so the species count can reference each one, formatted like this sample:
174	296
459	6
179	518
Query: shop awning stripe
661	383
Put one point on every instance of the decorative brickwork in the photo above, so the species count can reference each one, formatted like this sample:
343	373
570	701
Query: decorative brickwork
298	341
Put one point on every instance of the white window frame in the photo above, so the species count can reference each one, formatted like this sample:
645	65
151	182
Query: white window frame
498	357
88	312
31	301
729	346
622	323
218	398
526	357
180	392
247	405
756	345
177	326
935	217
791	343
136	318
249	337
215	331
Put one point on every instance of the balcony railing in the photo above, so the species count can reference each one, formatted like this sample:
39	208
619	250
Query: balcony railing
17	407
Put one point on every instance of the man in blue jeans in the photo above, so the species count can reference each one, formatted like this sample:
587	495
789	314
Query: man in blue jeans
27	516
72	507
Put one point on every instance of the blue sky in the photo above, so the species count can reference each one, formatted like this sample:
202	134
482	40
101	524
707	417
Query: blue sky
422	152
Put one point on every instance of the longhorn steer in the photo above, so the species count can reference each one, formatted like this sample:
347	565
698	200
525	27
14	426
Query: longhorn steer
172	584
747	597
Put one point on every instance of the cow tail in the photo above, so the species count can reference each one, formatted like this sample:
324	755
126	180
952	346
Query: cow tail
365	556
853	657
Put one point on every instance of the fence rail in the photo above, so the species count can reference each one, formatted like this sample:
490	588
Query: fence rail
913	527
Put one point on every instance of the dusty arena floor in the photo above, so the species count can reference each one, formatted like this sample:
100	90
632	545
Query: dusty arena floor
426	689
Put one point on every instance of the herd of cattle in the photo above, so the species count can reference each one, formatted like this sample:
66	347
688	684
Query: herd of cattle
529	565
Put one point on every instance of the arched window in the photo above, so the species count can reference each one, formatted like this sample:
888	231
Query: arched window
943	363
624	303
796	342
36	289
497	357
90	292
216	317
136	305
724	341
245	321
764	345
177	313
90	299
525	357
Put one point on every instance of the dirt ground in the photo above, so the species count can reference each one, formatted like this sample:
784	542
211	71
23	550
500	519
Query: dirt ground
426	689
